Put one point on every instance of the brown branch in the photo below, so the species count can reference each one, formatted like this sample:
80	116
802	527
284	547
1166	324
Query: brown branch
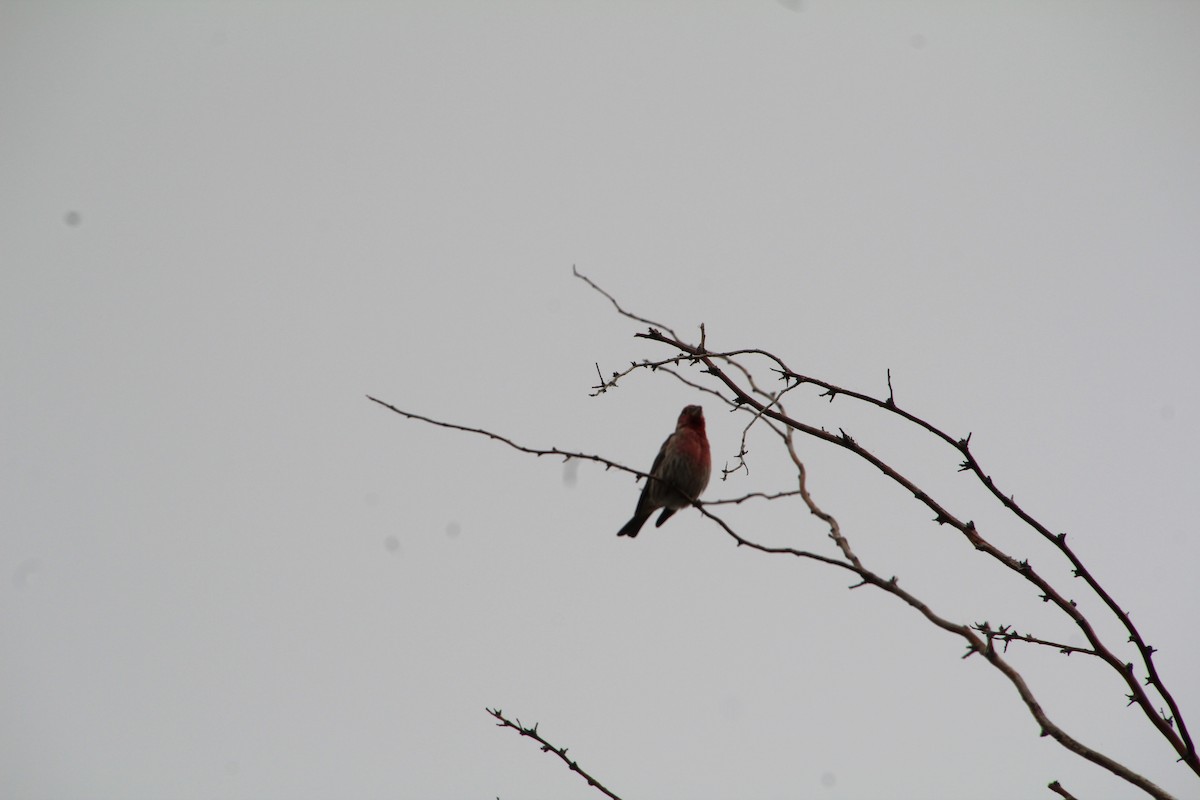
1008	634
1058	789
752	496
866	577
566	454
771	412
974	645
553	451
942	516
561	752
791	551
835	530
617	305
611	383
1185	744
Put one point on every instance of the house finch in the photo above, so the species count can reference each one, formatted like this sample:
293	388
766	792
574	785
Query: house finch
679	474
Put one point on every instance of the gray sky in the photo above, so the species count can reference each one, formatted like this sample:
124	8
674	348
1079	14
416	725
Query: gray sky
225	574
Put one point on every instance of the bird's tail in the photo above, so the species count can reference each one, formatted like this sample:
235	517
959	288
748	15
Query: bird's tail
634	525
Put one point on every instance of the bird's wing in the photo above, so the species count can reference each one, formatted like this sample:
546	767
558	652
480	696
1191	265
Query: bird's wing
658	459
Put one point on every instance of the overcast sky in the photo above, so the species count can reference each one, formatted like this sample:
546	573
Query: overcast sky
225	574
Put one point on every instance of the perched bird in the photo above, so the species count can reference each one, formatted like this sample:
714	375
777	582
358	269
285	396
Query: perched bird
679	474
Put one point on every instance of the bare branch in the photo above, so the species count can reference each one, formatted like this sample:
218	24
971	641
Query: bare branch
561	752
866	577
1006	634
974	645
751	496
1186	746
553	451
617	305
943	517
736	387
1057	788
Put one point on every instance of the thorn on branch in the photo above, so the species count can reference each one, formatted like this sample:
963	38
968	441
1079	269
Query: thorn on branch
547	747
603	386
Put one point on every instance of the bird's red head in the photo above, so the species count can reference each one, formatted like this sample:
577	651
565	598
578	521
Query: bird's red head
691	417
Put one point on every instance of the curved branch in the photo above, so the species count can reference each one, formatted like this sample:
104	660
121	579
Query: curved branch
974	645
766	407
553	451
866	577
972	465
617	305
942	516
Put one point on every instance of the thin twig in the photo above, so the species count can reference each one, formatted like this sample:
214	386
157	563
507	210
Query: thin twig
617	305
553	451
1007	634
566	455
561	752
752	496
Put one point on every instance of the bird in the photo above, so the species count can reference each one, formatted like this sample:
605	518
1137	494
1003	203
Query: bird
679	475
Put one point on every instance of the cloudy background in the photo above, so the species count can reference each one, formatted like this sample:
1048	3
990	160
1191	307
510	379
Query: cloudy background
225	574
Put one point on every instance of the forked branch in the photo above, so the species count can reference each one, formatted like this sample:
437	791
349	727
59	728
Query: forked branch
1166	725
733	382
